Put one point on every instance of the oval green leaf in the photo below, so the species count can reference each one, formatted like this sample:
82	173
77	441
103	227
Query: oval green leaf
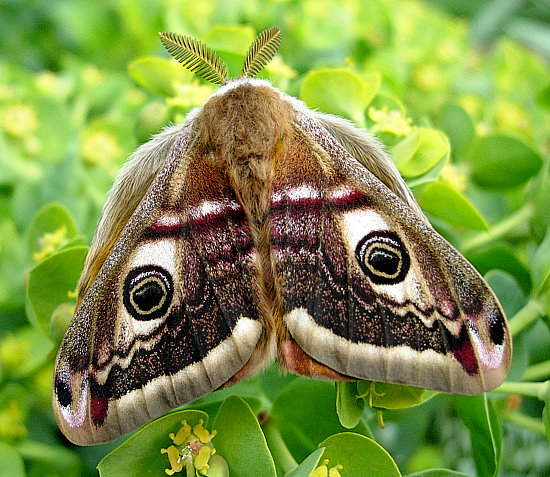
349	406
240	440
53	219
140	454
501	162
158	75
50	282
420	152
340	91
390	396
358	455
444	201
458	125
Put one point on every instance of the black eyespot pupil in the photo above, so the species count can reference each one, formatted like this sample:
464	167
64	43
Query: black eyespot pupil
148	296
382	257
148	292
384	261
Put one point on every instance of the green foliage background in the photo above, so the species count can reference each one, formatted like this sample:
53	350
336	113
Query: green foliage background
460	95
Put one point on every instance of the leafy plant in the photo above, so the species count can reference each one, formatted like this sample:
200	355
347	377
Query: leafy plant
468	130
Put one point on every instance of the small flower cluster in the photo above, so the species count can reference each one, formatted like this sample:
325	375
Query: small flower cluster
324	471
191	449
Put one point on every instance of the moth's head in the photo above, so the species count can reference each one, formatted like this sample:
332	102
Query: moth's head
228	122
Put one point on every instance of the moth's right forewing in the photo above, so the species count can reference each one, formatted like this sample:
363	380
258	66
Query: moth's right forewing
367	150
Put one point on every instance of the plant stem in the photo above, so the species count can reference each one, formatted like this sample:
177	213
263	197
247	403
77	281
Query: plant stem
524	317
279	450
525	389
538	371
526	422
516	221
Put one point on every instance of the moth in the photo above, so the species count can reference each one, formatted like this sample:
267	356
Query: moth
261	230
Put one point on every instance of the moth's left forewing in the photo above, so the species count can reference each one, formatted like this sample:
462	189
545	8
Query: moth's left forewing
371	290
173	312
130	186
87	355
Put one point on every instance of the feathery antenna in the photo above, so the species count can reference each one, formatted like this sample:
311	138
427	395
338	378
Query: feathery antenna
261	52
196	57
205	62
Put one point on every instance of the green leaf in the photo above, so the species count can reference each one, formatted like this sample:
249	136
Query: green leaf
307	466
11	261
437	473
46	457
458	125
304	413
541	205
444	201
349	406
231	38
390	396
53	218
543	97
150	120
502	257
500	161
533	33
231	42
12	462
50	282
24	352
340	91
240	440
158	75
480	417
358	455
420	152
140	454
507	290
541	267
544	396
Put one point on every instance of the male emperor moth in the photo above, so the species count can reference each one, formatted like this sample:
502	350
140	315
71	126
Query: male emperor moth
258	230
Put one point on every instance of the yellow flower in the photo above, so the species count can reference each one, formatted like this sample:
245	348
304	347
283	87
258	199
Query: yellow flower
19	120
49	242
202	433
389	121
203	456
453	176
183	433
175	458
100	147
324	471
191	449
